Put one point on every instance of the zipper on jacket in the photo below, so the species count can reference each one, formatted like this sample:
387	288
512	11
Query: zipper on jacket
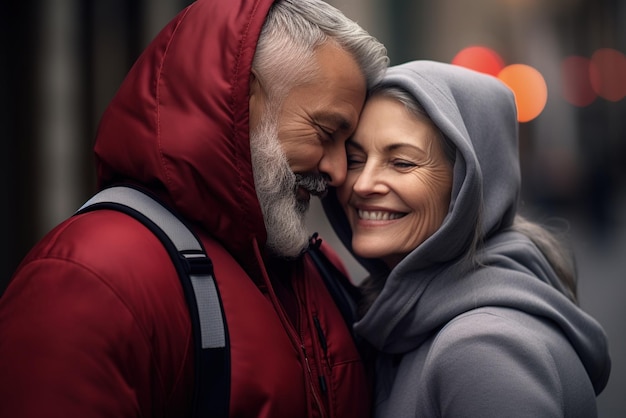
294	330
318	401
324	344
300	293
320	334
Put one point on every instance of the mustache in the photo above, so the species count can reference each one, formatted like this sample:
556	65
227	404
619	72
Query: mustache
316	184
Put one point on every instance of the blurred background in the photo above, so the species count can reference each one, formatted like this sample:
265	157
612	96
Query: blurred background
64	60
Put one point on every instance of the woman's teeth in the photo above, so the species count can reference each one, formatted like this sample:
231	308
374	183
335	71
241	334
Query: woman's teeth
379	215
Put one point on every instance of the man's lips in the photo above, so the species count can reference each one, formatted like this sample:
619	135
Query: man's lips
302	193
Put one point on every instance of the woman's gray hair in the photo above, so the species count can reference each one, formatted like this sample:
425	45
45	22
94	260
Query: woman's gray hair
294	29
551	242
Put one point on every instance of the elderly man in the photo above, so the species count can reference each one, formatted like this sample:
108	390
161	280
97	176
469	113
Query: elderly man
233	117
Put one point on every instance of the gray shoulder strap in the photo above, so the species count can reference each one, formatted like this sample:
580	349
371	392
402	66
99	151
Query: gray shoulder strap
188	246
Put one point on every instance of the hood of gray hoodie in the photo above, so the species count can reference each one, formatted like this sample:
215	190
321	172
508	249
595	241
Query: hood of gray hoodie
477	113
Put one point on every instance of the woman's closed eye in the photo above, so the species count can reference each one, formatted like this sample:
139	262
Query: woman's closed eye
355	161
403	164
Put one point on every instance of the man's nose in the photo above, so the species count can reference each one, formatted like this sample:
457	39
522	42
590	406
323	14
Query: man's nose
334	164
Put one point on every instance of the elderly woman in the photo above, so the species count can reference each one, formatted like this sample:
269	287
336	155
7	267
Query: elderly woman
471	308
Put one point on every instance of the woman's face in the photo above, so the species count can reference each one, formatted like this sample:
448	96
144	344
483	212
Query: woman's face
398	185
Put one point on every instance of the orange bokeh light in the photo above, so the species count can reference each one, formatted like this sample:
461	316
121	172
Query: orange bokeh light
576	84
607	72
479	58
529	86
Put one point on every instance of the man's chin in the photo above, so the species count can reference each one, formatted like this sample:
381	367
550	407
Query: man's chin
291	257
288	235
292	252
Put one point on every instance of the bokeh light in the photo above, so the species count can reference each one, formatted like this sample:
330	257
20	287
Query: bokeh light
479	58
583	79
576	83
529	86
607	72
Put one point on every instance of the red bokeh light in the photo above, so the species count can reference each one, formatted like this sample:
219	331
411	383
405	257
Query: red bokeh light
607	73
479	58
583	79
576	84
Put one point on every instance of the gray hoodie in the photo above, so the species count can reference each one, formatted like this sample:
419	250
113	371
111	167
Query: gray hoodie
462	341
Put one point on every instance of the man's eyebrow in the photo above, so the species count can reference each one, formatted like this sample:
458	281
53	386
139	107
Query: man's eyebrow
336	120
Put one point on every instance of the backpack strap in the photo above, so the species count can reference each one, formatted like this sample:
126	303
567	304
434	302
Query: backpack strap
211	395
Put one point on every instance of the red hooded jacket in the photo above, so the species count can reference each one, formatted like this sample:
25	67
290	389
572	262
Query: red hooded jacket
94	322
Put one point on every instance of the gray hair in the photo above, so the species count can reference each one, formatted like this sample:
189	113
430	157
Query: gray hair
294	29
551	241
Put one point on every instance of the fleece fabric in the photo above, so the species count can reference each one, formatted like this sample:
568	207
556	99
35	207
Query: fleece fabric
94	322
500	339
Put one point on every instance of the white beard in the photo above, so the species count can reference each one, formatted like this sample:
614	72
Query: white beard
276	184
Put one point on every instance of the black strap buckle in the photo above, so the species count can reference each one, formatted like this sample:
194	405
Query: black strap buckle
197	263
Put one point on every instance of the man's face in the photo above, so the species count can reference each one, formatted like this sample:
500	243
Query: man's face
312	125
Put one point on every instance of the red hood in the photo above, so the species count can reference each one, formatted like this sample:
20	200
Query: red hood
179	123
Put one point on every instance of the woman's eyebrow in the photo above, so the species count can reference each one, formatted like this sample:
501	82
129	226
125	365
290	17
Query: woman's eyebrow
390	147
400	145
